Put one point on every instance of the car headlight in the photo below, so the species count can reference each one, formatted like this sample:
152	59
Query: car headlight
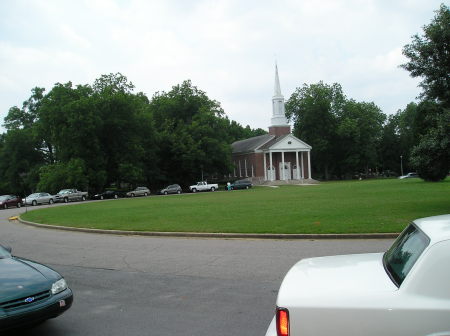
59	286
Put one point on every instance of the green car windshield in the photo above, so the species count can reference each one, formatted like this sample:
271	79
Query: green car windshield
403	254
4	253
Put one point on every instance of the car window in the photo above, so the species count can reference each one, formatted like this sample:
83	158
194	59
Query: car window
4	253
405	251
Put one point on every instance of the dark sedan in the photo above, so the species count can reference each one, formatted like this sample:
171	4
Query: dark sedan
108	194
29	292
7	201
172	189
241	184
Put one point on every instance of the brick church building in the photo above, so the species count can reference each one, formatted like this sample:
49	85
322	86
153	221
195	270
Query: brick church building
277	156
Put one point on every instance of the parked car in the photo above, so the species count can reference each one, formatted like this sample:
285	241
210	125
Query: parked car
7	201
409	175
171	189
29	292
241	184
69	195
203	186
108	194
404	291
38	198
139	191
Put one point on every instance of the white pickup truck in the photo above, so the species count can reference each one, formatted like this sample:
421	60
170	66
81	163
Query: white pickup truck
203	186
67	195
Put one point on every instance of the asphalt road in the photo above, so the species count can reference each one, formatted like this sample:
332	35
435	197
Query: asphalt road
131	285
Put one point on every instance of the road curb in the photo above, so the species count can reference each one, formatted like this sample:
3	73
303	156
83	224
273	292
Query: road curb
219	235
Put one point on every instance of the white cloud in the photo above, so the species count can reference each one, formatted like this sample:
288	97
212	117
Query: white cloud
227	48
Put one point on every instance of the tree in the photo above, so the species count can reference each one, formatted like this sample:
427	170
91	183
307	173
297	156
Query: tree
431	156
71	174
390	153
359	130
192	134
314	109
25	117
20	160
429	57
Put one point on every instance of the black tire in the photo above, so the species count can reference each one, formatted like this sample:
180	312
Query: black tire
50	201
66	200
194	190
34	203
213	189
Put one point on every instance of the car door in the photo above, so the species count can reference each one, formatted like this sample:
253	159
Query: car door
12	201
43	198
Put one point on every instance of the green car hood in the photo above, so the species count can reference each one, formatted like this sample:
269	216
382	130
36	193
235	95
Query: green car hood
19	278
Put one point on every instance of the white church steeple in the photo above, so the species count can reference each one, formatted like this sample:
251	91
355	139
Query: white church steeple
278	112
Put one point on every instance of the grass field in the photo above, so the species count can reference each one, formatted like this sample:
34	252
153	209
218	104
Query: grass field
333	207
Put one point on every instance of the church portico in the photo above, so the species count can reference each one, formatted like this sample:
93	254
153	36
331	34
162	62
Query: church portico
286	165
276	156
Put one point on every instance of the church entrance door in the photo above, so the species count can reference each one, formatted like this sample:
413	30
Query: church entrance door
285	172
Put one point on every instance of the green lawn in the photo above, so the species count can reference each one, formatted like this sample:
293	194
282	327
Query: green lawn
332	207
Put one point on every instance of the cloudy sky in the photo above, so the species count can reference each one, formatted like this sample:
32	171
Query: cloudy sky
227	48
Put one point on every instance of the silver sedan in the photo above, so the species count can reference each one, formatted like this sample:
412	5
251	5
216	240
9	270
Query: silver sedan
38	198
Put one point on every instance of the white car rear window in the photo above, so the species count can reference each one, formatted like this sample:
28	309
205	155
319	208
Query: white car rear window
403	254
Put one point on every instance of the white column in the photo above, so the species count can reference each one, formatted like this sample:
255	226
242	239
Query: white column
309	164
282	165
265	167
245	165
240	169
253	173
271	168
298	166
302	171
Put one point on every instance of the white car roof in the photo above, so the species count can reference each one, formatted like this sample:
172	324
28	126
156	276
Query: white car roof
436	227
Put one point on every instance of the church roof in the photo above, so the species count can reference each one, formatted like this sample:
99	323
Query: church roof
269	143
266	142
249	145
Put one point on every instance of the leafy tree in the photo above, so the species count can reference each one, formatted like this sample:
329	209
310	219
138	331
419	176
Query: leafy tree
431	156
19	161
192	134
389	149
314	109
429	57
359	130
28	114
113	83
57	176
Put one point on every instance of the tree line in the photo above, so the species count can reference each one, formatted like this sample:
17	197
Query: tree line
106	135
355	138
